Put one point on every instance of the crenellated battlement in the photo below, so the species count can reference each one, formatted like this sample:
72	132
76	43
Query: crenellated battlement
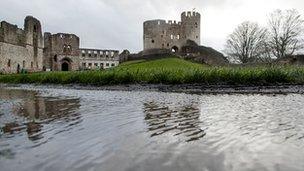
190	14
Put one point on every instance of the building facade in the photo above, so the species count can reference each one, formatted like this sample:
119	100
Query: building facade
160	34
27	49
21	48
98	59
61	52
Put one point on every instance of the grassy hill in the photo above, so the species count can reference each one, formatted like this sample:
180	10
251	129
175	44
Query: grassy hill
166	71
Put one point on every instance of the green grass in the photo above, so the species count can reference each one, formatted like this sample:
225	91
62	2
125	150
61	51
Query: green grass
167	71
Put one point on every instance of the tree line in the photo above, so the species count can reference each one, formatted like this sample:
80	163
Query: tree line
283	36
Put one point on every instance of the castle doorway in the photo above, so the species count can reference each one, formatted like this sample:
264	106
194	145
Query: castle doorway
174	49
65	66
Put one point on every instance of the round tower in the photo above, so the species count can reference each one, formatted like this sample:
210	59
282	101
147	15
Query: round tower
154	34
191	26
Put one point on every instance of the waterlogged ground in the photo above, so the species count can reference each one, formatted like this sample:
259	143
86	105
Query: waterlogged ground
61	129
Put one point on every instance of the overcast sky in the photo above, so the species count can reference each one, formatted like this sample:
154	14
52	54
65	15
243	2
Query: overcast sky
117	24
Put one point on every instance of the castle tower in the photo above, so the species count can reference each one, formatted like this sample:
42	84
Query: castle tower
191	22
172	35
33	37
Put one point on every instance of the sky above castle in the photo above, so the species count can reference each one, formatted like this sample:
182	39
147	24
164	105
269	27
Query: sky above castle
117	24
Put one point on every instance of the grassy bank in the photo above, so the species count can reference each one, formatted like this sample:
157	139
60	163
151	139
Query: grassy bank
167	71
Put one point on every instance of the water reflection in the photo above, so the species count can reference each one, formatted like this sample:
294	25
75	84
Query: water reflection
183	121
28	111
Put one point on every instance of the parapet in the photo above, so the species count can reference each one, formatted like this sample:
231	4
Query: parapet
190	14
65	36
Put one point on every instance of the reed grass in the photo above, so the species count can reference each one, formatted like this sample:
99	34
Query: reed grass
167	71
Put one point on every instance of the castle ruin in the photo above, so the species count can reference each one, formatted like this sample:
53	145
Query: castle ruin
172	35
21	48
27	49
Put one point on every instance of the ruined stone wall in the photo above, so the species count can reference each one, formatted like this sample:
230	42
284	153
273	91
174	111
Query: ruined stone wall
21	49
159	34
60	48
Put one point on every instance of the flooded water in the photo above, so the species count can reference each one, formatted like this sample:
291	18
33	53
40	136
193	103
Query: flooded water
60	129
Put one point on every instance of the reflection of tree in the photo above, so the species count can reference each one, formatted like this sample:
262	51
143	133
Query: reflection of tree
37	111
182	121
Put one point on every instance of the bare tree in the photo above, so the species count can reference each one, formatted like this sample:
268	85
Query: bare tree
247	42
286	30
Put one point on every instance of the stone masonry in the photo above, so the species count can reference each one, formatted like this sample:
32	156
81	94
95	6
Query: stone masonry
27	49
21	48
172	35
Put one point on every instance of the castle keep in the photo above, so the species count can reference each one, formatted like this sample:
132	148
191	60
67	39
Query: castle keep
159	34
27	49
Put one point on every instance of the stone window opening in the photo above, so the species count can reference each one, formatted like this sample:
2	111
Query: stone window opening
107	64
158	22
95	54
84	64
112	64
35	29
61	36
196	36
55	58
32	64
69	48
107	54
168	44
23	64
112	54
64	48
172	37
9	63
161	36
152	41
178	36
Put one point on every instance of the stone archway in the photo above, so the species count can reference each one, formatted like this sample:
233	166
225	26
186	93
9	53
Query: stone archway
65	66
174	49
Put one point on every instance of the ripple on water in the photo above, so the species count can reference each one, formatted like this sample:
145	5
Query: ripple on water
59	129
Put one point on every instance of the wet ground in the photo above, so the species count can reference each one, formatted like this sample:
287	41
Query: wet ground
58	128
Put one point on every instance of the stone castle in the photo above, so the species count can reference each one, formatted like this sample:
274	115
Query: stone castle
172	35
28	49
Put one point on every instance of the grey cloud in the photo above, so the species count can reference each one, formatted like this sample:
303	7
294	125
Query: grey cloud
117	24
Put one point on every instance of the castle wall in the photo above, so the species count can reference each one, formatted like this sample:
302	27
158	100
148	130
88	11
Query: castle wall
28	49
159	34
21	49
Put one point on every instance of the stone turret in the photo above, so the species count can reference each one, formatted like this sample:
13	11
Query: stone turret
191	22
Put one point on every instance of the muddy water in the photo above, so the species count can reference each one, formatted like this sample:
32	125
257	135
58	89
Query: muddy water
60	129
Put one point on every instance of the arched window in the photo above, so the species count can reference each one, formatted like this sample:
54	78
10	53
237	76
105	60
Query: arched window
65	47
69	49
55	58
